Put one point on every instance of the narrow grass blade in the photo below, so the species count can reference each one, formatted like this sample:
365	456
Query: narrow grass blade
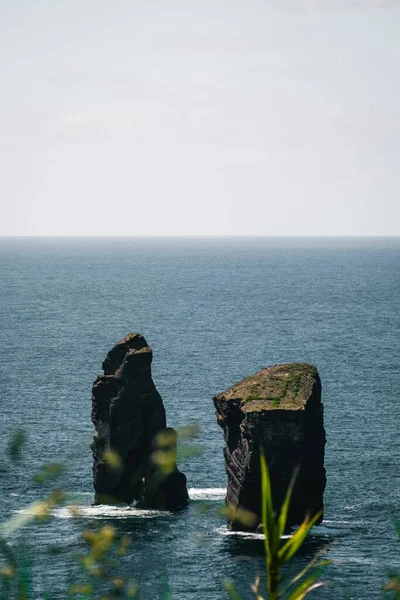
393	586
293	544
255	588
231	589
8	553
314	563
24	583
165	593
285	507
271	531
305	588
16	444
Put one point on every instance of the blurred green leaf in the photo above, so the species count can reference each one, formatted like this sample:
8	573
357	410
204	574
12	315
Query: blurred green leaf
277	554
188	432
16	445
38	511
255	588
240	515
165	593
293	544
189	451
49	472
305	587
397	526
231	589
285	507
314	563
24	582
113	459
393	585
17	521
270	528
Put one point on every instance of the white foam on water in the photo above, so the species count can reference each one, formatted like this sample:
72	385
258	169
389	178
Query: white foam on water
194	494
248	535
77	510
207	493
102	511
333	522
243	534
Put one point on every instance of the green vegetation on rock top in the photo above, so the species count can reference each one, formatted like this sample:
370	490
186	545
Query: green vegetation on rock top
286	386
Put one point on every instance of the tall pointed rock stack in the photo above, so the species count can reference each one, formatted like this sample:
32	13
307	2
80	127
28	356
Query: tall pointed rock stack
131	432
278	410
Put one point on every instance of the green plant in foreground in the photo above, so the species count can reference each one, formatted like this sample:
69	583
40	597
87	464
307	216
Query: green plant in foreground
102	548
97	575
278	551
392	587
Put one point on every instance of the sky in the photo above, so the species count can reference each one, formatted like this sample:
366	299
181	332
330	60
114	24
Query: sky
206	117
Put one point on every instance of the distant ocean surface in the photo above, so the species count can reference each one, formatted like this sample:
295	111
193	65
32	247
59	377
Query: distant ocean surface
214	311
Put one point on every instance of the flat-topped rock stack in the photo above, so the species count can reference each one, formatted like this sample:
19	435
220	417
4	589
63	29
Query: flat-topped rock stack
130	423
278	409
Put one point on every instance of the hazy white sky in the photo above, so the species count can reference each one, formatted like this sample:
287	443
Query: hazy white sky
206	117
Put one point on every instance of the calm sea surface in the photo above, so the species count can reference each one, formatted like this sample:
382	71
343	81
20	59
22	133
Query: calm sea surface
214	311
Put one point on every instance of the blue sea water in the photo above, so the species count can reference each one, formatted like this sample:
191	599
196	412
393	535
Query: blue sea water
214	311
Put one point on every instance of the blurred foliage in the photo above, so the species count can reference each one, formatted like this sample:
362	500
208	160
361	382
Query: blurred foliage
392	587
113	460
103	548
15	446
165	452
49	472
240	515
279	551
99	562
171	447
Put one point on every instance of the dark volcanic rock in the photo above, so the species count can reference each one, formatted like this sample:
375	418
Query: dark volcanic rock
129	418
278	409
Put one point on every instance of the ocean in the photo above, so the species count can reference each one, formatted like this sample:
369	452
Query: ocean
214	310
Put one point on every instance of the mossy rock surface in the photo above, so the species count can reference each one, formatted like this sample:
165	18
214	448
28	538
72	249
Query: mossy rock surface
281	387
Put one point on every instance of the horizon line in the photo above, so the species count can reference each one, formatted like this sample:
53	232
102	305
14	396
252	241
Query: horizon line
196	236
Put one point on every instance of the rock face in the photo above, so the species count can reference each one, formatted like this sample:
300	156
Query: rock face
132	442
279	410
